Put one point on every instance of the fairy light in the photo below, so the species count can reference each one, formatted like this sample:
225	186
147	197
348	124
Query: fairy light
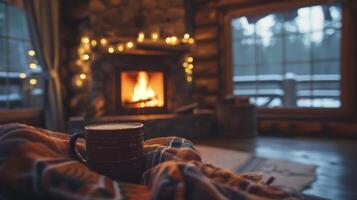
189	79
86	57
185	64
141	37
130	44
120	47
33	66
168	40
155	36
173	39
22	75
31	52
103	41
82	76
85	39
111	49
33	81
189	59
93	43
186	36
191	41
79	83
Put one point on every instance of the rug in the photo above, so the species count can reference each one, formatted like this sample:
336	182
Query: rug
286	173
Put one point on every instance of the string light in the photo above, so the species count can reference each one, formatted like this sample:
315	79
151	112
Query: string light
33	81
31	52
82	76
103	41
33	66
120	47
86	57
22	75
111	49
189	79
186	36
189	59
93	43
155	36
85	39
191	41
130	44
173	39
168	40
141	37
79	83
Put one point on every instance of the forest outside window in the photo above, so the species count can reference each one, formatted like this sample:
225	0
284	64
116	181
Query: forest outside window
21	76
289	58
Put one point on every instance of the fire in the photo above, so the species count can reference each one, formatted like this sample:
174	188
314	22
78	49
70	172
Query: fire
143	94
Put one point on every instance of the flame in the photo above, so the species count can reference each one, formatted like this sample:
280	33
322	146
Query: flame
143	93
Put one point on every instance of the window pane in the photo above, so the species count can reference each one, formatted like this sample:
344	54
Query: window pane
18	55
326	45
244	51
3	54
2	19
21	80
297	48
17	23
270	51
289	58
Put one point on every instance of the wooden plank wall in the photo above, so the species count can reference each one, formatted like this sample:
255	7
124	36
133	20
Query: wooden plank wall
205	53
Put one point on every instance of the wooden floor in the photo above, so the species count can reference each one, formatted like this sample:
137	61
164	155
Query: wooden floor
336	160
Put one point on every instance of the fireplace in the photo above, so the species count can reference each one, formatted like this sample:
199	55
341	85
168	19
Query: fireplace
142	89
138	82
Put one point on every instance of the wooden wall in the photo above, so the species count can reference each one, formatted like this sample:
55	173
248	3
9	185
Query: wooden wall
206	54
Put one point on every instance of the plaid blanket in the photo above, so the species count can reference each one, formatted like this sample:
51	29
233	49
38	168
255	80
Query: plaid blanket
36	164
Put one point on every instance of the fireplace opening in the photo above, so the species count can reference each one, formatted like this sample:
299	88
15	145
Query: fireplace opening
142	89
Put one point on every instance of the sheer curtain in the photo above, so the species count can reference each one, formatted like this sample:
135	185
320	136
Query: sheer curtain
43	18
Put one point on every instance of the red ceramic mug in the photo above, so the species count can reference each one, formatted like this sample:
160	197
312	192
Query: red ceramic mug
115	150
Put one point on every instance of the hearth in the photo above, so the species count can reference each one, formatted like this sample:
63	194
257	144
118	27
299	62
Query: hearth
138	82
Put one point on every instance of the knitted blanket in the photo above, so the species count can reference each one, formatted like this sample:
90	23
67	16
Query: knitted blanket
36	164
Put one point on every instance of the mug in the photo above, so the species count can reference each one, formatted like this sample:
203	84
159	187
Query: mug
115	150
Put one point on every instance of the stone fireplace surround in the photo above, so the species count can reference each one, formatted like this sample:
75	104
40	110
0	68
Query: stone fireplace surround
106	87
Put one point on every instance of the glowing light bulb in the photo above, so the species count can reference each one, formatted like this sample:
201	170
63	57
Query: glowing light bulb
120	47
85	39
189	59
31	52
22	75
186	36
191	41
82	76
93	43
33	66
103	41
86	57
173	39
33	81
155	35
189	79
111	49
130	44
168	40
141	37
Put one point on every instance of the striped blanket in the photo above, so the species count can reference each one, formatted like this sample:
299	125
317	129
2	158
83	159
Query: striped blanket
36	164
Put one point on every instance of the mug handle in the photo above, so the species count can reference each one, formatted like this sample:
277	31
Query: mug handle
72	147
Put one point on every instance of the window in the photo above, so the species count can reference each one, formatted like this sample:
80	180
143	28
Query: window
21	80
289	58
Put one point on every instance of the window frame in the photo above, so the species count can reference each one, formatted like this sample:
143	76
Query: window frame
229	10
